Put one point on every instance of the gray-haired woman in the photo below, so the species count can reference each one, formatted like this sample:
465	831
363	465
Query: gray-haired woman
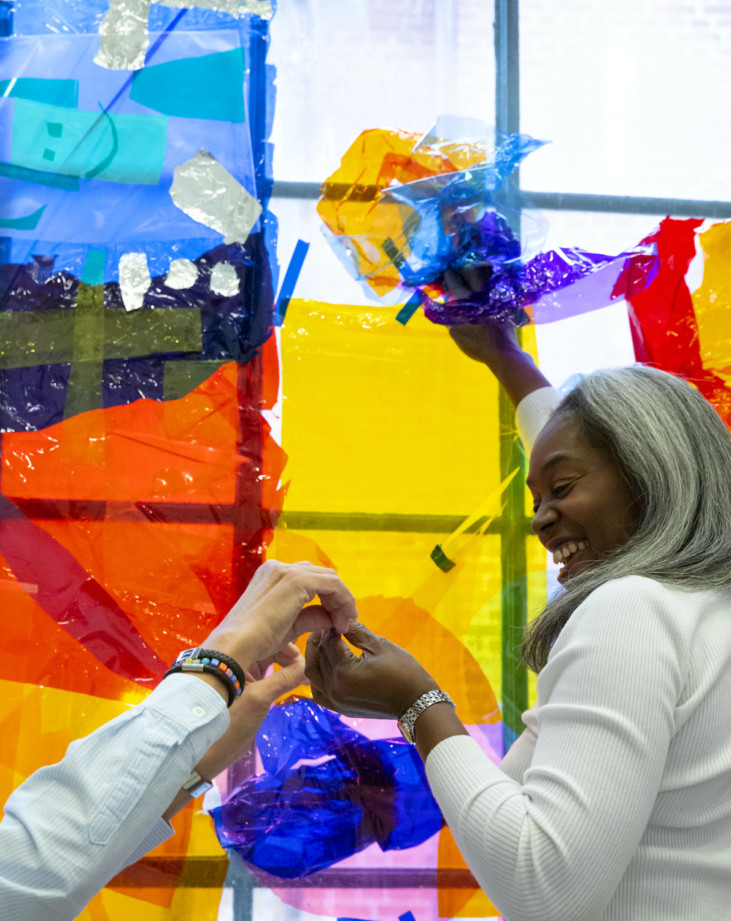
615	802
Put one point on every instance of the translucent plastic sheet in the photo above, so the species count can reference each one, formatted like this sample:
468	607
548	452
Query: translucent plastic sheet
295	819
401	212
682	332
139	482
401	208
141	485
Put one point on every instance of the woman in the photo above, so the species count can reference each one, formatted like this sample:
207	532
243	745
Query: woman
615	802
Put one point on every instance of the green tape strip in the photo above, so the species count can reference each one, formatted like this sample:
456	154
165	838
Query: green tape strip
393	252
441	559
44	337
513	569
180	376
29	338
409	308
152	332
84	390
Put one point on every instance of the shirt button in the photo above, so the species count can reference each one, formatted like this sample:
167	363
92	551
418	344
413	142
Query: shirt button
199	712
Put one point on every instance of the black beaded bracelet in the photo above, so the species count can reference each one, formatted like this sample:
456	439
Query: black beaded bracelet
211	662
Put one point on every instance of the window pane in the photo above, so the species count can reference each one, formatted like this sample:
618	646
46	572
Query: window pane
634	95
343	67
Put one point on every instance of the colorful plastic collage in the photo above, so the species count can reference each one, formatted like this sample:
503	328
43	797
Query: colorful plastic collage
165	428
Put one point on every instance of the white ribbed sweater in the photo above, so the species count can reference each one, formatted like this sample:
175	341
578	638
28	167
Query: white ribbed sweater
615	802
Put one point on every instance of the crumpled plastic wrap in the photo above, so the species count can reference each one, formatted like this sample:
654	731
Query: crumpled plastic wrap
401	212
401	209
327	792
513	287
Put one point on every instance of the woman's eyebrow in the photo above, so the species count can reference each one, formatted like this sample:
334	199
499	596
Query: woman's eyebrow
552	461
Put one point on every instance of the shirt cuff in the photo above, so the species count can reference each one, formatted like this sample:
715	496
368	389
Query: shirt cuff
161	831
194	705
532	413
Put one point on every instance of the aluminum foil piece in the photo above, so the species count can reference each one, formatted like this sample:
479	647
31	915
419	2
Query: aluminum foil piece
261	8
123	35
208	193
224	279
134	279
223	6
182	274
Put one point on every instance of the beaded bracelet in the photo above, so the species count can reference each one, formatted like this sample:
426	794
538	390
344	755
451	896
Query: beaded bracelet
211	662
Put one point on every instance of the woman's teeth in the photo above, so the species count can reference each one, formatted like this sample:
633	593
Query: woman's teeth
563	553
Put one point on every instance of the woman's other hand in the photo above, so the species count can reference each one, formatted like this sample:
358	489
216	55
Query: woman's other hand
381	683
276	608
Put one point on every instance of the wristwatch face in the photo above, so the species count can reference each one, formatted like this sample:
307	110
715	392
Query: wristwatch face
196	786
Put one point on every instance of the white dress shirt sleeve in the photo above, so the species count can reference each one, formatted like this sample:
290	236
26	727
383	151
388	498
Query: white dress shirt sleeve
532	413
73	825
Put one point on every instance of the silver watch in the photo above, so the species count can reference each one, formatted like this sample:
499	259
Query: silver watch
195	785
407	721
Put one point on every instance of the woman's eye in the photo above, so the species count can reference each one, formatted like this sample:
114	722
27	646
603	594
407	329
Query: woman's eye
560	489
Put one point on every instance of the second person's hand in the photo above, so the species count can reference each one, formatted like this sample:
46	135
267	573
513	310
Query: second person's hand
276	608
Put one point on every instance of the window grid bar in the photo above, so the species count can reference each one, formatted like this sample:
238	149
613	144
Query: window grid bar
567	201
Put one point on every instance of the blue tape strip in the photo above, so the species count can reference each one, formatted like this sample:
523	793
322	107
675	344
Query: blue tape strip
409	308
290	280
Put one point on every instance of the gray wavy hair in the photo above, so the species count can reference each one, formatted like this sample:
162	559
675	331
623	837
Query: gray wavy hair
675	454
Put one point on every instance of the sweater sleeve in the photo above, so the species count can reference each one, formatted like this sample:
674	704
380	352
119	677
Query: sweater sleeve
71	826
533	412
555	847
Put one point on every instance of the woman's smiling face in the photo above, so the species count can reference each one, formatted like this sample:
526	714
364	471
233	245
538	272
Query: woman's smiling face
583	507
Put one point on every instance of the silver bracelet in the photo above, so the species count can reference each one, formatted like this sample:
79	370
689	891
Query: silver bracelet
407	721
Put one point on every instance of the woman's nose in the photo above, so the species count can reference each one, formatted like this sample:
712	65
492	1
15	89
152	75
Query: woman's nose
544	516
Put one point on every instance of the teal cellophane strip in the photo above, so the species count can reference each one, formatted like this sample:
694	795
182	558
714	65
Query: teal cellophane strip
210	86
42	89
28	222
93	272
409	308
130	148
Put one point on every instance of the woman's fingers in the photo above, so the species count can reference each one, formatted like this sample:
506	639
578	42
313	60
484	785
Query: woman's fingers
456	285
362	638
468	281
